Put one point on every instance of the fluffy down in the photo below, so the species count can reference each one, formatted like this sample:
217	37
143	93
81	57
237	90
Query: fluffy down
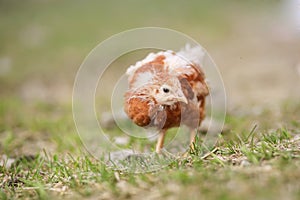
167	89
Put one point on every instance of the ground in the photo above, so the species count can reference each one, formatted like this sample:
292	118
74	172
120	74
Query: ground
256	49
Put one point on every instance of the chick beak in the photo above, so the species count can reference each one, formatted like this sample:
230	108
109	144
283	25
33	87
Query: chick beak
181	97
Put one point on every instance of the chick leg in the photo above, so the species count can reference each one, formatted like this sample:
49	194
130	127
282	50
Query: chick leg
193	139
160	141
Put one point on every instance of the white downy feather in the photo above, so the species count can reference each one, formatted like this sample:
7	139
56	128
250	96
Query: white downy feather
183	58
193	54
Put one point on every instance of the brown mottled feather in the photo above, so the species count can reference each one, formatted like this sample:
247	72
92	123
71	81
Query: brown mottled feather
143	108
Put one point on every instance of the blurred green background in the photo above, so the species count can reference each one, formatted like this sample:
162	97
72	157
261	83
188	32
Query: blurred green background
254	43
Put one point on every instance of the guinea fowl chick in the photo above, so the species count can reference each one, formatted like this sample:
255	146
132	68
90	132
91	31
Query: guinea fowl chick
167	89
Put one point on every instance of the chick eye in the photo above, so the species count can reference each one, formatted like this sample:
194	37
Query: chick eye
166	90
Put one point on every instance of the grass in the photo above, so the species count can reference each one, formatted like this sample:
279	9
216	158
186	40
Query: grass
249	163
41	155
